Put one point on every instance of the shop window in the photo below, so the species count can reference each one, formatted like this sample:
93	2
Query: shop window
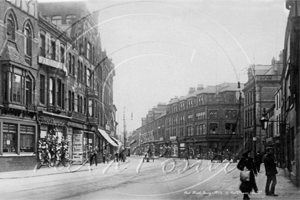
9	138
10	27
28	40
213	127
27	138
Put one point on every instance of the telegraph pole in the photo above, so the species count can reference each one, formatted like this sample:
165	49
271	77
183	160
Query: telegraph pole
124	128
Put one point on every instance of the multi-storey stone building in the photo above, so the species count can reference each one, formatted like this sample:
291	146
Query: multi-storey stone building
290	88
56	80
205	122
263	82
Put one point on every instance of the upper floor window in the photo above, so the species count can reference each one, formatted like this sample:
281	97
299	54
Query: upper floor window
70	63
28	40
230	128
213	114
213	128
89	80
51	91
91	114
230	114
62	54
42	44
73	65
175	108
56	20
89	51
28	91
70	19
10	32
190	103
200	100
42	89
190	118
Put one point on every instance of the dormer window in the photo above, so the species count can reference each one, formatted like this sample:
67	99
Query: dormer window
56	20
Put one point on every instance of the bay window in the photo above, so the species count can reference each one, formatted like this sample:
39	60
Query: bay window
17	86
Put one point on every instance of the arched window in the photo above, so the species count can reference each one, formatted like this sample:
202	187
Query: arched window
70	19
28	40
10	31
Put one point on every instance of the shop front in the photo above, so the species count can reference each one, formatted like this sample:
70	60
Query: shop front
108	144
18	141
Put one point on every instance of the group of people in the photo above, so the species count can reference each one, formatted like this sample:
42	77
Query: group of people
251	166
106	156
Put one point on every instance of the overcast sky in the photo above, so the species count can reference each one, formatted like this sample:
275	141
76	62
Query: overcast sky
162	48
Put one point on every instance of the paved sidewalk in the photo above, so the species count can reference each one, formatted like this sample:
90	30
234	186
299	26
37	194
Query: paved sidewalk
284	187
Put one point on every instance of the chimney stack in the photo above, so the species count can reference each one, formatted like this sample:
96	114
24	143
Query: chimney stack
192	89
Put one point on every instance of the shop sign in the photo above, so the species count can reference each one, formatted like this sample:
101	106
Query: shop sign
173	138
77	157
51	121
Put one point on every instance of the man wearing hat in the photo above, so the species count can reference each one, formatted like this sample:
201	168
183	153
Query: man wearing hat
271	172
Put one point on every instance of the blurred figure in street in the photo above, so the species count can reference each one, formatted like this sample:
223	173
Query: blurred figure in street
247	164
258	160
93	156
271	172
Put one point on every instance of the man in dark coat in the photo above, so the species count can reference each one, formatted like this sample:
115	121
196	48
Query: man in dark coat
258	160
271	172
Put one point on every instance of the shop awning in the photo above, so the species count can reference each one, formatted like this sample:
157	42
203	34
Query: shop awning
107	137
117	141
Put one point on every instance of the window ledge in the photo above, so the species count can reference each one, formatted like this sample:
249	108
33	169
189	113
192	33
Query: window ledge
16	155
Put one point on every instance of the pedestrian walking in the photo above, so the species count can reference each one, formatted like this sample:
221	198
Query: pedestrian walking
271	171
93	156
258	160
247	166
104	156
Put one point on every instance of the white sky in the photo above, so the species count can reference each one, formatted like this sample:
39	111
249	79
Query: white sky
161	48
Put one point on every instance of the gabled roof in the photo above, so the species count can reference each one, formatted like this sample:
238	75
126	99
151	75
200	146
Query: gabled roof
10	53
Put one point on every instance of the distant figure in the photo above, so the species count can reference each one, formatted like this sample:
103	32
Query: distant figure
271	172
258	160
